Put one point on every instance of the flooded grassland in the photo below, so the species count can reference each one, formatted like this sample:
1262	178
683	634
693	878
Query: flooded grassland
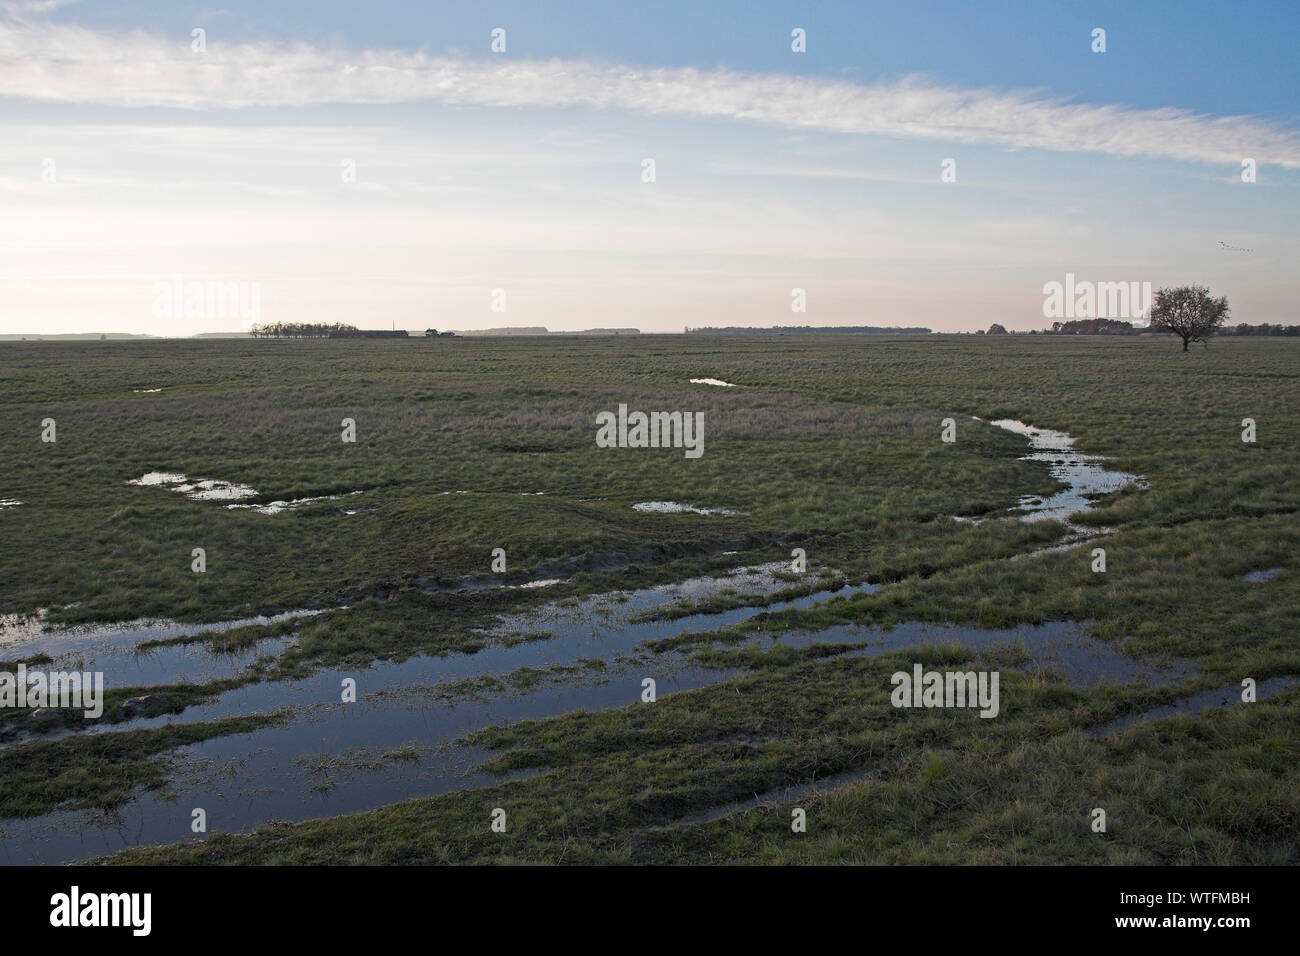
641	657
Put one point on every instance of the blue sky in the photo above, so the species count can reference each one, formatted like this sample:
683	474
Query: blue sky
130	160
1216	57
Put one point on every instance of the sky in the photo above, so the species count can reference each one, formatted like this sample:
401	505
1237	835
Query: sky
654	166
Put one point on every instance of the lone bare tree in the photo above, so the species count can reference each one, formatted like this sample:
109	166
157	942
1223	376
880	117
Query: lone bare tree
1189	312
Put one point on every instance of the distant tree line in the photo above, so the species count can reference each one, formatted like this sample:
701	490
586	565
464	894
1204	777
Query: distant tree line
1094	327
1118	327
785	329
1263	328
298	330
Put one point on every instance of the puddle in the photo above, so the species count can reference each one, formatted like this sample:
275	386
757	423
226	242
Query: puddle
1257	577
277	507
114	649
1073	539
1085	476
9	502
205	489
548	582
618	619
191	663
146	391
216	489
1227	696
677	508
16	628
712	381
1065	647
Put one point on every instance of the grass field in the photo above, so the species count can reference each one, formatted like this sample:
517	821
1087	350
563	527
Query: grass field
829	443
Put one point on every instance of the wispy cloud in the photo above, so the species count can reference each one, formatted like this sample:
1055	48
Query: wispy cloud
71	64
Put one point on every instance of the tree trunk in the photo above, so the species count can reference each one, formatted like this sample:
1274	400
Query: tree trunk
1184	344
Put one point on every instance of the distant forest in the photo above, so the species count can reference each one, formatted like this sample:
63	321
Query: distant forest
1118	327
1095	327
298	330
1262	329
786	329
1074	327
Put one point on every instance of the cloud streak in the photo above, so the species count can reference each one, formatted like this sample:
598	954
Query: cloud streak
71	64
